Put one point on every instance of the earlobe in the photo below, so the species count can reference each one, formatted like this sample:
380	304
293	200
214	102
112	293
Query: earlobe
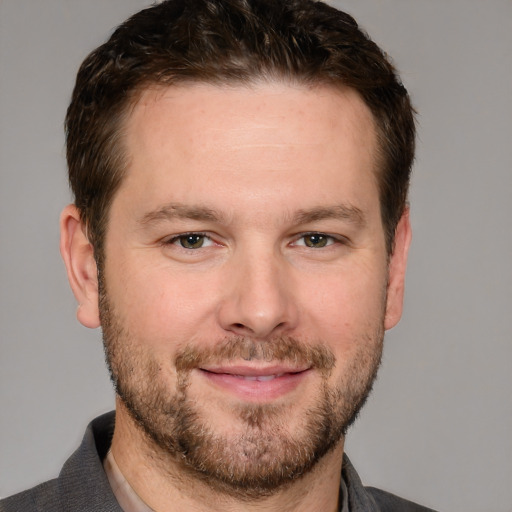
397	267
78	255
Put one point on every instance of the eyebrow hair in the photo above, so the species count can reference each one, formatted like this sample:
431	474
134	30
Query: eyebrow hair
171	211
347	213
180	211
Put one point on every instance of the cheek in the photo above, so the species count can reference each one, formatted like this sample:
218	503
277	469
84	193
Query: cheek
161	307
349	306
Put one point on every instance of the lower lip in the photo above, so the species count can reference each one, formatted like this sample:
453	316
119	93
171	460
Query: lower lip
256	390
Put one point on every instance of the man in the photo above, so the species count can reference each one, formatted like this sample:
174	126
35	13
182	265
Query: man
240	232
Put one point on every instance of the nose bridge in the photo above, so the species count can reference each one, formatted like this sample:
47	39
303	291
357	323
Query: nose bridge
259	299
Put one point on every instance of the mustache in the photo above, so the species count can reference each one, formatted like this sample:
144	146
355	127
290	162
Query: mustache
284	349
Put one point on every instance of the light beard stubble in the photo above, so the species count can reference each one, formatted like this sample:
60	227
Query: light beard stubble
264	456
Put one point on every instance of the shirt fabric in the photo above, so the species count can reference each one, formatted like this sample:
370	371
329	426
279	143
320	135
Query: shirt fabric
130	501
83	485
127	498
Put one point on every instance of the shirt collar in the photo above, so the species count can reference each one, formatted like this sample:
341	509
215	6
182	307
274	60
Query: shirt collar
127	498
130	501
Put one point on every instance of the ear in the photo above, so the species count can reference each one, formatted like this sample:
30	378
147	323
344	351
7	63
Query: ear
78	255
397	266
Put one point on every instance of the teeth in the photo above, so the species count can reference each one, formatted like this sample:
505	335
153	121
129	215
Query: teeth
260	378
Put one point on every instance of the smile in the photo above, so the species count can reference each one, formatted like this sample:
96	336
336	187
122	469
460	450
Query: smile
259	378
255	384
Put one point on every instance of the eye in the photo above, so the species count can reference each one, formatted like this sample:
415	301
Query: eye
191	241
315	240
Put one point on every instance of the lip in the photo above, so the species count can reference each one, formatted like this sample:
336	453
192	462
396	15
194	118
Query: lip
256	384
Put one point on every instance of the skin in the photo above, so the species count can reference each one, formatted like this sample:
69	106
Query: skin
275	162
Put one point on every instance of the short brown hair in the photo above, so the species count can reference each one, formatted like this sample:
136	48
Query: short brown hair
229	41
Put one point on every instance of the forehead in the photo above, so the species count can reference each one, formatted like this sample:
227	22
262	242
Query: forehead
275	140
241	113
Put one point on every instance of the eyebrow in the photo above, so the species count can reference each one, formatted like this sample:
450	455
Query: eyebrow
347	213
180	211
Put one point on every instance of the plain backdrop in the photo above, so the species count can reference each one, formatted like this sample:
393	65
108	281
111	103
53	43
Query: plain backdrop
438	428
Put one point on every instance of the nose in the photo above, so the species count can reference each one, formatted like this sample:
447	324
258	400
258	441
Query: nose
258	299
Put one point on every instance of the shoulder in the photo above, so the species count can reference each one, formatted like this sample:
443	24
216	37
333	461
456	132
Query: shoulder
82	484
364	499
43	497
388	502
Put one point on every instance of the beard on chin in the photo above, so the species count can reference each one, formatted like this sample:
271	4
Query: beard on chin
261	455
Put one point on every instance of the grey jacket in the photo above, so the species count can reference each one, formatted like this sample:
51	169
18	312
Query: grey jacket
82	485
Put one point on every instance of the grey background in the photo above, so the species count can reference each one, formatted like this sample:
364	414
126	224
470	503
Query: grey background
438	426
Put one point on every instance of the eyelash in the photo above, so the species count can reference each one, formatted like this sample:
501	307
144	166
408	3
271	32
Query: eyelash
175	239
330	239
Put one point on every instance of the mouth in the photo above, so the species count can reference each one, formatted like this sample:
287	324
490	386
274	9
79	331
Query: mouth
254	384
260	378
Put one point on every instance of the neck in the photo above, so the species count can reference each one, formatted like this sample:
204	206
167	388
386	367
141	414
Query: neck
163	483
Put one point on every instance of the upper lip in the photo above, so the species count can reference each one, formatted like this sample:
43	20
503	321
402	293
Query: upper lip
252	371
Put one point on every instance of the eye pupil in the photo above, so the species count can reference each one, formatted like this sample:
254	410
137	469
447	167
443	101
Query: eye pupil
192	241
315	240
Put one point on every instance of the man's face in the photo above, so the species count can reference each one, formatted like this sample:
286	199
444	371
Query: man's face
245	286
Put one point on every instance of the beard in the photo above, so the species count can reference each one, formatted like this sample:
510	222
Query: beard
260	454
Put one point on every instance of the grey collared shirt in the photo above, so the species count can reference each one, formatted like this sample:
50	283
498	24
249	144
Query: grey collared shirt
130	501
83	486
